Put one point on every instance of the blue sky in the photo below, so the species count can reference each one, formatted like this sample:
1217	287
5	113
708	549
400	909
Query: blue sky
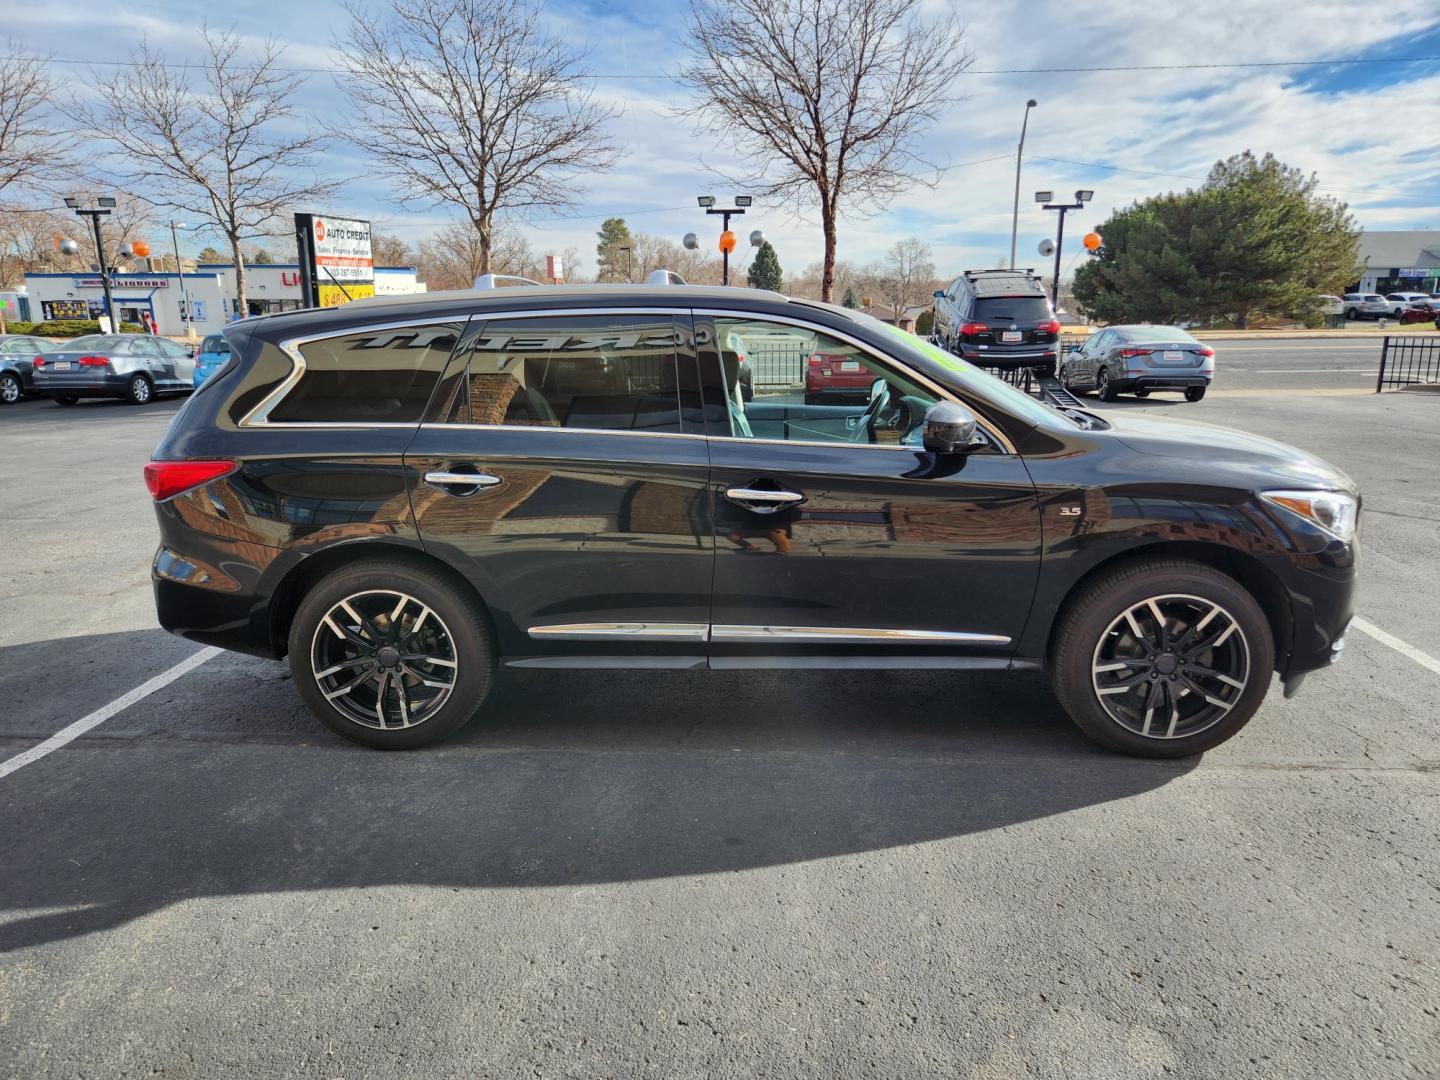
1368	131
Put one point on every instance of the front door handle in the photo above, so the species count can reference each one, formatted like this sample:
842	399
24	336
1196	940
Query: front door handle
461	483
762	500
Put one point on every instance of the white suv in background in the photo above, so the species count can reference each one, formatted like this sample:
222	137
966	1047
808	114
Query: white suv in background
1367	305
1399	301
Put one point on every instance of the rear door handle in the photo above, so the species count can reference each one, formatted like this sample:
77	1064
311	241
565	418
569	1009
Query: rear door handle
761	500
473	481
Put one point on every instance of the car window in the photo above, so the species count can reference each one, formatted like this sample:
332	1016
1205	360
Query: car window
215	343
1013	308
1100	342
600	372
1152	334
371	376
807	386
132	346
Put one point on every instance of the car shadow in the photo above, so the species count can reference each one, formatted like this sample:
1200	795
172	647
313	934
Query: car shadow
212	787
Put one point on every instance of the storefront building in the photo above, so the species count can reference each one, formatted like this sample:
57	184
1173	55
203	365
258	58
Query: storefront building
202	302
1400	261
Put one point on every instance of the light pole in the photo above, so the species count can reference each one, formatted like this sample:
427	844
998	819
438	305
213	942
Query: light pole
180	270
727	238
629	275
102	208
1019	153
1081	198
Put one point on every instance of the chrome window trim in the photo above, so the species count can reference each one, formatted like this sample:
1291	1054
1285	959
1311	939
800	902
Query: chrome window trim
627	631
258	416
852	634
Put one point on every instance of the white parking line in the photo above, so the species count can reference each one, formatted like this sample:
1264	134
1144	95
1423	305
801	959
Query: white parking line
1312	370
1423	659
105	712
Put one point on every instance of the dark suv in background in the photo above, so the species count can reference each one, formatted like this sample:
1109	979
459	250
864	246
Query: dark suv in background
403	493
998	319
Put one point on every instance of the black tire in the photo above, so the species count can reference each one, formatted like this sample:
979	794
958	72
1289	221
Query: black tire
139	390
1142	393
460	616
11	389
1352	314
1104	387
1194	393
1087	621
65	399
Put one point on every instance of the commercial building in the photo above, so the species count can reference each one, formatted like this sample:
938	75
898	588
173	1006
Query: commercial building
1400	261
210	292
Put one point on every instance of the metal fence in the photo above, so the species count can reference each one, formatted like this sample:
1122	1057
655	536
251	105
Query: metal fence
1408	361
777	363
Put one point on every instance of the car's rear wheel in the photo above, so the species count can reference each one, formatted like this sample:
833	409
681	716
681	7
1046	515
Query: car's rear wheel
1162	658
391	655
65	399
1142	393
139	390
10	389
1104	387
1351	313
1194	393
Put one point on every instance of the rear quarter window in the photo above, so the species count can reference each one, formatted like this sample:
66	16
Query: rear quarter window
369	376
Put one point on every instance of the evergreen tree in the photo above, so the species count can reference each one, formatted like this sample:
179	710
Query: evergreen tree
610	261
851	300
1254	239
210	255
765	271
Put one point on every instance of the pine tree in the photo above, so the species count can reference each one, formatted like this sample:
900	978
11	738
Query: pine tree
765	271
610	261
851	300
210	255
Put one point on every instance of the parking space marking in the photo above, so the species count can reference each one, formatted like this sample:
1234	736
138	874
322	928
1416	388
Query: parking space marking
105	712
1425	660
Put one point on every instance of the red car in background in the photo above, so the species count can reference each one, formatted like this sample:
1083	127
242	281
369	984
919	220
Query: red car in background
832	376
1421	311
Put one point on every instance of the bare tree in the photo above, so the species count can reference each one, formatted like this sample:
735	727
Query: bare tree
907	275
472	104
390	250
826	99
33	147
228	154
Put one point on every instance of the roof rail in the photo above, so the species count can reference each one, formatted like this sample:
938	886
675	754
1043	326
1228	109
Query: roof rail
663	277
496	281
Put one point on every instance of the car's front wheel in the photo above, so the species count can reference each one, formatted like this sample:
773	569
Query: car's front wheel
10	389
139	390
1162	658
391	655
65	399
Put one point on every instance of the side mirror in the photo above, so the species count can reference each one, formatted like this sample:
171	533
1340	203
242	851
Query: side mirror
949	428
938	293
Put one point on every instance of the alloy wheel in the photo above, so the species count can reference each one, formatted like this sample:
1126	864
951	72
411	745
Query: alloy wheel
384	659
139	389
9	389
1171	666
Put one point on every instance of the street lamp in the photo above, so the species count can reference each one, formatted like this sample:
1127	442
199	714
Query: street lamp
1019	153
180	271
102	208
629	277
727	238
1081	198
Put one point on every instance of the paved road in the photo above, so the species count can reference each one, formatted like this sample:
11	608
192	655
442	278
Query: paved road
707	874
1321	364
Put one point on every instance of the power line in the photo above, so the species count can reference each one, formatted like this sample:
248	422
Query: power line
1312	62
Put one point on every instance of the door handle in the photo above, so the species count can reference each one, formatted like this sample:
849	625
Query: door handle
472	480
761	500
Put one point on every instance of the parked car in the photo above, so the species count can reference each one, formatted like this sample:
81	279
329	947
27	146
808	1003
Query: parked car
1399	301
1420	311
214	354
998	319
1366	306
741	349
133	367
366	490
833	376
1139	359
1329	305
17	365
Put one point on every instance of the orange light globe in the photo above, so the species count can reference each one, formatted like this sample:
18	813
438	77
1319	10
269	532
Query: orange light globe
1093	241
727	241
141	249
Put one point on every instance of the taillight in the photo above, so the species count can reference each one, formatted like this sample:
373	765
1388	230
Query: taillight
1206	351
94	361
39	361
166	479
814	361
1134	352
1051	327
970	329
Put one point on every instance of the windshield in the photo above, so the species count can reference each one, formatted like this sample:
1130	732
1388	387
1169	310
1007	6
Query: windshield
969	376
215	343
1012	309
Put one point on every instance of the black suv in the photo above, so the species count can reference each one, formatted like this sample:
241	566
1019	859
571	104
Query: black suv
998	319
404	493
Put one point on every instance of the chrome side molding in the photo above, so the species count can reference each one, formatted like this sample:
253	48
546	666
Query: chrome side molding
628	631
791	635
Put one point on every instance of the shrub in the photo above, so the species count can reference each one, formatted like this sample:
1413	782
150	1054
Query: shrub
72	328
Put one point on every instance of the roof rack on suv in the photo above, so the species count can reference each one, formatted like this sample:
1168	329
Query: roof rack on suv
496	281
1004	283
663	277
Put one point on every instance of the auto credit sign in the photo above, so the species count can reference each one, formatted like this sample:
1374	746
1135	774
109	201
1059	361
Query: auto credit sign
337	254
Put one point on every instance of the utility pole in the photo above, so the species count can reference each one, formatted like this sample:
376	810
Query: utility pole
1019	153
727	238
629	270
102	208
184	293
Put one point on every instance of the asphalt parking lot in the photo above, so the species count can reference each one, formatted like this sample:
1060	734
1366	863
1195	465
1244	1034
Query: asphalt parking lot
713	874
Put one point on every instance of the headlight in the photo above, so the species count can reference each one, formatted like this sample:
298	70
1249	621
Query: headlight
1333	511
